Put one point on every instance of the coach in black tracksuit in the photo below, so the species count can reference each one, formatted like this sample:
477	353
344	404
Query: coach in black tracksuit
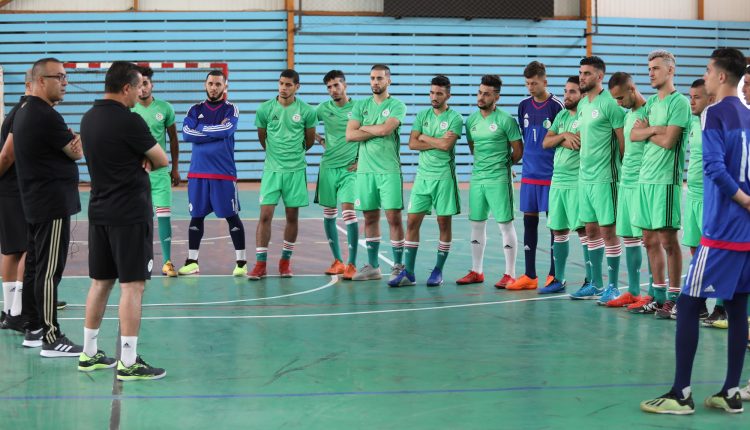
45	151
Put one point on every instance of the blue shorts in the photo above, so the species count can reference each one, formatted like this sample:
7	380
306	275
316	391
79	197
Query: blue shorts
718	273
534	198
212	195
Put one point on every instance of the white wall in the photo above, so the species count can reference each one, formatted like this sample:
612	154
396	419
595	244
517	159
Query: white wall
68	5
727	10
664	9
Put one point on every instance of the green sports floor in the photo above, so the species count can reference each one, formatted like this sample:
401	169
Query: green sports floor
315	352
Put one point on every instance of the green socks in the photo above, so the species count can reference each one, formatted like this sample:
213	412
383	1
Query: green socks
443	249
596	253
398	251
352	234
410	255
373	247
164	221
560	251
633	260
286	250
332	234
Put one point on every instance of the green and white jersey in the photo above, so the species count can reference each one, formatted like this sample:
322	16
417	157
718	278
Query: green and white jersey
338	152
492	150
631	161
567	161
660	165
285	133
695	166
435	163
159	115
379	154
600	150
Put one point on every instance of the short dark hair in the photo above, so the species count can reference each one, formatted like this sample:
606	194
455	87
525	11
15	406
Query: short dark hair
493	81
217	72
291	74
534	69
38	68
698	83
382	67
618	79
146	72
573	80
747	70
441	81
333	74
121	73
730	60
594	61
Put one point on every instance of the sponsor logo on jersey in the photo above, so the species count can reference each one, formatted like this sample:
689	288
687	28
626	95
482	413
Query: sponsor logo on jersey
474	128
386	112
150	265
296	117
594	114
493	127
200	116
159	116
364	113
444	125
275	118
426	124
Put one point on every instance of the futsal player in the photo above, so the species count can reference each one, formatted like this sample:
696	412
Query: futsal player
212	178
375	125
720	267
434	135
159	116
495	141
118	144
338	167
535	116
286	130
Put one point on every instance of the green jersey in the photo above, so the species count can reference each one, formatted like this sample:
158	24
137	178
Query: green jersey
285	133
631	161
338	152
567	161
600	149
660	165
379	154
435	163
695	166
159	116
492	151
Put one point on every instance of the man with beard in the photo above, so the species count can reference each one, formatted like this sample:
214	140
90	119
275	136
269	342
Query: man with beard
602	145
665	130
337	173
375	126
286	130
563	193
434	135
159	115
212	178
495	141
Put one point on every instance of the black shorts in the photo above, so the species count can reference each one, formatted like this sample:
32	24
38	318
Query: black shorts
13	228
123	252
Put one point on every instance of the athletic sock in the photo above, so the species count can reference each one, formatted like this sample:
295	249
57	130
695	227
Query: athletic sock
660	293
442	254
237	233
195	234
352	234
286	250
530	239
17	307
398	251
410	255
596	254
478	243
89	341
686	341
261	254
332	233
128	346
8	295
560	251
586	257
633	261
373	248
736	339
510	246
613	263
672	293
164	221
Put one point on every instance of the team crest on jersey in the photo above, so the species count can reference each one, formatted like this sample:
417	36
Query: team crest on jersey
546	124
349	115
386	112
594	114
296	117
357	202
525	123
444	125
574	125
159	116
260	199
493	127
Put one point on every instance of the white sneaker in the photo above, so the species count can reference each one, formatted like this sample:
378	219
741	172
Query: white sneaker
745	392
367	273
395	271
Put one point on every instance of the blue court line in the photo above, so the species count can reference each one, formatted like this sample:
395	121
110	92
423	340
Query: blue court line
350	393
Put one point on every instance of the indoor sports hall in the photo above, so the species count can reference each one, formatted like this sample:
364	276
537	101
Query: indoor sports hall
315	351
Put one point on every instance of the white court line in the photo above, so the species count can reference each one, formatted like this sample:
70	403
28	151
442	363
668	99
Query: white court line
363	244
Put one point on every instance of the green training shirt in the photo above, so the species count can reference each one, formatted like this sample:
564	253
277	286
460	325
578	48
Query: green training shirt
338	152
695	166
285	133
159	115
631	161
660	165
379	154
600	150
492	150
435	163
567	161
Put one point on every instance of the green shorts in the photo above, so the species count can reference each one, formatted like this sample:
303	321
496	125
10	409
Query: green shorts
161	188
290	186
442	194
597	203
659	206
693	224
627	206
496	198
335	185
374	191
563	209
